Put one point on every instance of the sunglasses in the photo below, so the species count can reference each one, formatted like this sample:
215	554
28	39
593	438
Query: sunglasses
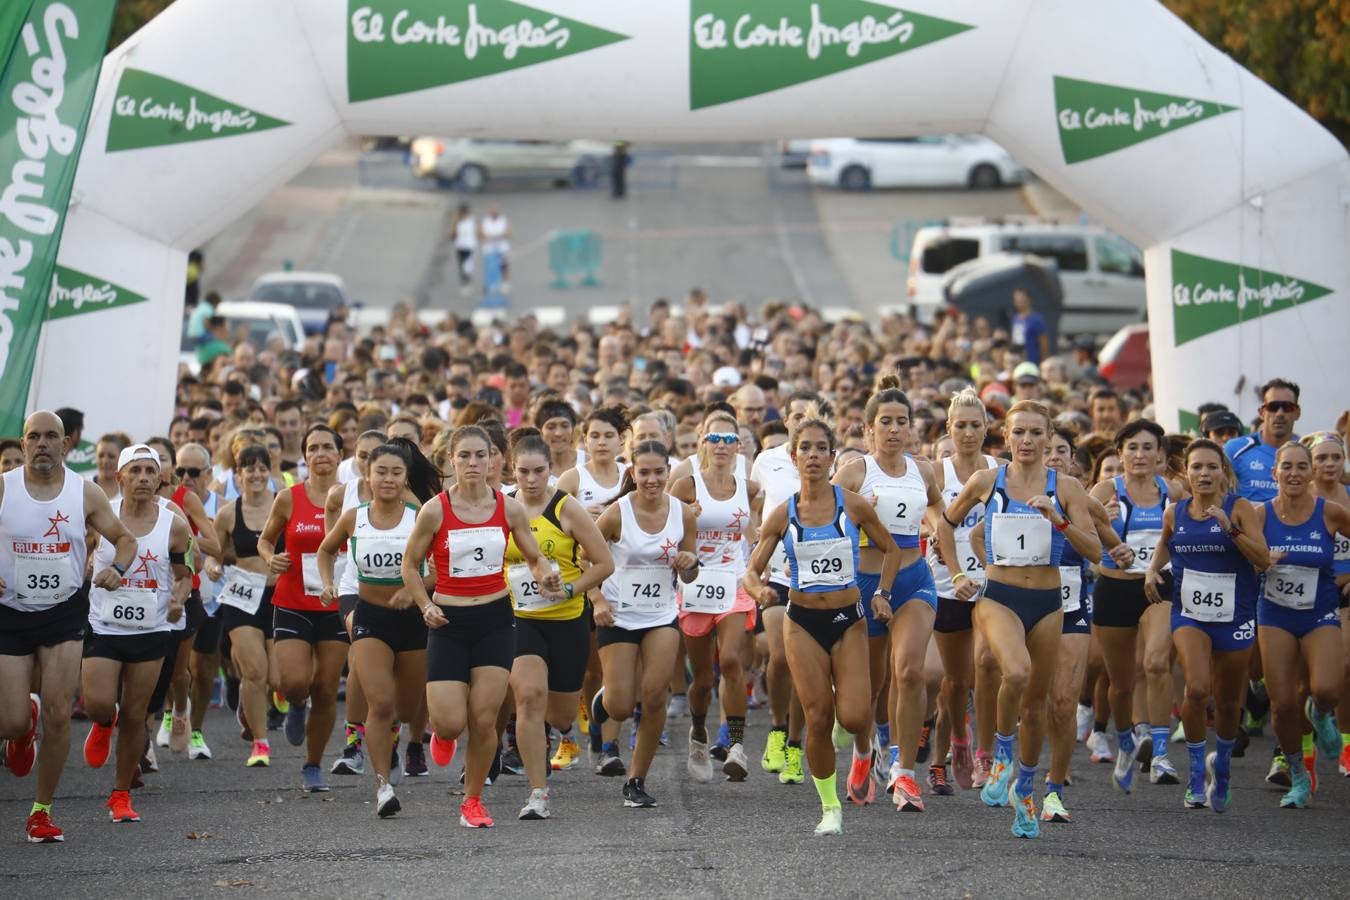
1279	406
722	437
189	471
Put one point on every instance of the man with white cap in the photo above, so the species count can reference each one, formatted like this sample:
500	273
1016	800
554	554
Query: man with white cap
45	511
131	623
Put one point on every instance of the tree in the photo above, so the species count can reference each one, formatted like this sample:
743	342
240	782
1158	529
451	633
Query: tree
130	16
1299	47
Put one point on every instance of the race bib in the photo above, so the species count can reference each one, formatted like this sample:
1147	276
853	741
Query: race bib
901	511
1020	539
1342	547
646	589
476	552
1293	587
43	579
970	563
713	592
131	607
525	589
309	567
827	564
243	589
1144	543
380	558
778	562
1208	596
1070	588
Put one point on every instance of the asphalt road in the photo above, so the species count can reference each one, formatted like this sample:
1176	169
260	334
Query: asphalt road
211	828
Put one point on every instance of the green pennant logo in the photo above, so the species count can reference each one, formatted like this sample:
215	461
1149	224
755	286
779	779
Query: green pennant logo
82	457
153	111
1188	422
741	48
397	46
75	293
1097	119
1209	295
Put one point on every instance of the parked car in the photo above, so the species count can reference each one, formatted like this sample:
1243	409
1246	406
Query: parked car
259	322
1125	361
953	160
313	295
1102	274
794	153
469	163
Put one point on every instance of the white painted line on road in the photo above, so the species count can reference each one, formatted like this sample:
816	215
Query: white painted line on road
785	250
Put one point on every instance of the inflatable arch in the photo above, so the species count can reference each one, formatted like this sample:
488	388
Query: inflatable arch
1240	200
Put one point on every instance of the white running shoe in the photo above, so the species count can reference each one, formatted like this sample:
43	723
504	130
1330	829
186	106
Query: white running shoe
537	806
737	766
386	804
1161	771
699	764
1099	748
165	731
831	820
1084	723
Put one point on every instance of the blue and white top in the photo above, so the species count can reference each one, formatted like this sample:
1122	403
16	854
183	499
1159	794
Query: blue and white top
1253	463
1214	582
1303	579
1018	535
822	558
1139	527
901	499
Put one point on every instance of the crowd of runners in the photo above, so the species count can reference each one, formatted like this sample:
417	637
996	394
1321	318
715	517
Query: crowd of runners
499	544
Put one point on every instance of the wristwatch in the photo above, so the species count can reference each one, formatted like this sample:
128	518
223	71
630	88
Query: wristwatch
884	594
121	569
570	588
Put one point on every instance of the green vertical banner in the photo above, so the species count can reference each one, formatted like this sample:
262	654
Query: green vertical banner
45	94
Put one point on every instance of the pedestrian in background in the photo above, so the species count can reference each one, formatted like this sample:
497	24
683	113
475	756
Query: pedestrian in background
465	233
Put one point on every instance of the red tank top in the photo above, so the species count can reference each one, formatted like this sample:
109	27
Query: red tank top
177	499
303	535
469	555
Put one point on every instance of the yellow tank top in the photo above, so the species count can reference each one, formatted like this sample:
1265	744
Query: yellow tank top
556	545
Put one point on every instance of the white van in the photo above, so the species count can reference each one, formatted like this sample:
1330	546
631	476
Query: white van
1102	274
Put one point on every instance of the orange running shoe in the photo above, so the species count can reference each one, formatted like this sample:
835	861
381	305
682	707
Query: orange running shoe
907	796
1345	761
98	744
20	754
1310	763
442	751
473	814
861	788
119	807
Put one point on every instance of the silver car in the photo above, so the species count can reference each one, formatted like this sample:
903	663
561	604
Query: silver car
469	163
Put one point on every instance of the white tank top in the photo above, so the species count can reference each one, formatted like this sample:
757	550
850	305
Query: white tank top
376	554
141	604
42	550
345	574
722	525
901	500
779	479
590	491
951	489
638	582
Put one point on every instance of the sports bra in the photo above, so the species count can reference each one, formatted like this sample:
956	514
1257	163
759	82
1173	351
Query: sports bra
245	538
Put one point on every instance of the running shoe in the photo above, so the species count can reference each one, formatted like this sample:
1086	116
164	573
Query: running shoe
386	804
275	719
442	751
611	766
663	740
149	762
892	775
1217	791
831	821
718	752
1310	766
1326	734
938	785
21	753
1161	771
473	814
512	764
395	765
979	775
907	796
1084	726
353	758
583	717
311	780
1299	794
295	724
537	806
775	752
165	730
995	790
925	743
635	795
1099	749
42	830
860	787
261	757
1025	822
119	808
1123	774
197	748
599	715
842	739
1143	739
1279	771
1052	809
415	760
736	766
963	766
699	765
98	744
178	734
1344	766
677	707
1192	800
1241	743
792	766
568	755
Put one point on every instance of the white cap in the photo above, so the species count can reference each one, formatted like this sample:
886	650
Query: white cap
135	452
727	377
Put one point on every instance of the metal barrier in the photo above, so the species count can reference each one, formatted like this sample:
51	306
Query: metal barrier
572	254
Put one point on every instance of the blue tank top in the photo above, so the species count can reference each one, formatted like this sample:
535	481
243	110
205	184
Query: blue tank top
1308	545
1000	502
1341	563
840	526
1134	517
1202	545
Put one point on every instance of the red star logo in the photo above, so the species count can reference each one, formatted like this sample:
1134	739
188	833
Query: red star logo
57	521
667	549
145	560
738	520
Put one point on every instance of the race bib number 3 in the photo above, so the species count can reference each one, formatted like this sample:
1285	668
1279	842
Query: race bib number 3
1208	596
646	589
131	607
1293	587
1020	539
476	552
713	592
1070	588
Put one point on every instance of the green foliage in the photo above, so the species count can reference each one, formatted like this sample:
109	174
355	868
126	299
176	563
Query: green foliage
131	15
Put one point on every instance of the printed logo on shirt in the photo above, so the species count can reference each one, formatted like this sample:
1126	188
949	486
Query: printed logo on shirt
145	560
56	522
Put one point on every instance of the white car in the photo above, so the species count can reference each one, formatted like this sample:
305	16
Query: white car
312	294
953	160
468	163
259	322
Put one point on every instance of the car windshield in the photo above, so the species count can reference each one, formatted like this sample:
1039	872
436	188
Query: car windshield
300	294
944	254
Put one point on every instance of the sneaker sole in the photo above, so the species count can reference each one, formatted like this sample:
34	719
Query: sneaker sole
532	816
347	770
1166	778
613	771
909	805
389	809
257	764
734	771
465	822
116	821
47	840
1057	819
634	804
